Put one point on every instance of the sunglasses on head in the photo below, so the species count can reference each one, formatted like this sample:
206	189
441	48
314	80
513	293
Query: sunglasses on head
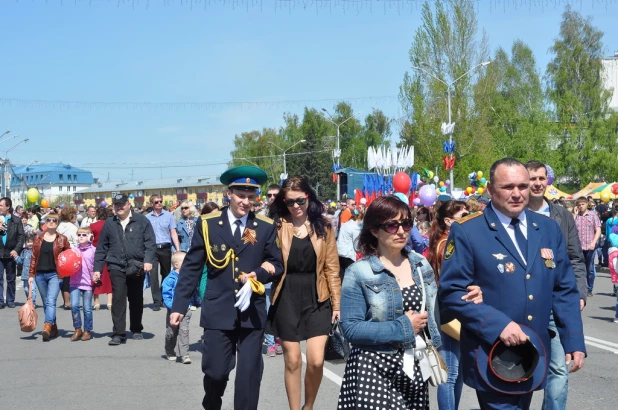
393	226
54	220
290	202
83	235
157	202
184	208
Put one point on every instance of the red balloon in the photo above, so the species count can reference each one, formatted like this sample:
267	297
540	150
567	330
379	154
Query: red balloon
615	189
69	263
402	182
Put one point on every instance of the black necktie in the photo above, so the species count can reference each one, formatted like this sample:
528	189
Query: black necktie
237	232
522	242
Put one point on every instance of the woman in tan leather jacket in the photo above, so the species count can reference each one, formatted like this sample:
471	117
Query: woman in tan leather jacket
45	250
305	302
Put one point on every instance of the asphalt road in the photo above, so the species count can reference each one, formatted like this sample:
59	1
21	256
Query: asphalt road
62	374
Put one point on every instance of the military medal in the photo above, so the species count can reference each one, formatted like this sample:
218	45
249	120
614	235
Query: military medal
548	255
250	236
501	268
509	267
223	247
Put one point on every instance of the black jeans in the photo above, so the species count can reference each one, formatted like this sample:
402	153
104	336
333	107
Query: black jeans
8	265
123	288
163	256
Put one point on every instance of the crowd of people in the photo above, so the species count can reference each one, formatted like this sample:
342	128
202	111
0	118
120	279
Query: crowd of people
271	274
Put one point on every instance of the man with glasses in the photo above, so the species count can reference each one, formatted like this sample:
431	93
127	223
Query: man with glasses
126	241
271	193
589	228
232	243
164	226
12	240
556	390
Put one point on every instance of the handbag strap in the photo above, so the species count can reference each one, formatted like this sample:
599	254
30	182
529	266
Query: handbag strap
420	275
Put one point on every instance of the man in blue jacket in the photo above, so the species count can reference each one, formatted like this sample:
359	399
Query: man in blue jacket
233	244
519	260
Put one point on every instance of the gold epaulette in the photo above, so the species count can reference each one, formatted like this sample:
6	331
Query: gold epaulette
264	218
211	215
469	217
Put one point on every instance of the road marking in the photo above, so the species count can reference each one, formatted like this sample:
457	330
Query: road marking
327	373
592	339
602	347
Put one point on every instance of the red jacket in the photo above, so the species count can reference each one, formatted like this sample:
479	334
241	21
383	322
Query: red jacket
61	243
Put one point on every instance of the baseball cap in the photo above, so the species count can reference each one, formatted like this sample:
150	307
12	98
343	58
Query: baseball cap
120	199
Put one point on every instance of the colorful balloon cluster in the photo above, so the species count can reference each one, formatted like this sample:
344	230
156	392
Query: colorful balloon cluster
477	185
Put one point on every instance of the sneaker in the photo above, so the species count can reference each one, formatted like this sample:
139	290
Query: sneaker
270	352
590	294
192	308
116	341
186	359
616	320
278	349
138	336
171	357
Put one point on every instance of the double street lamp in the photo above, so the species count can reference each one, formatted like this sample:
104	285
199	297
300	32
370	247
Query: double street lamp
337	152
5	161
285	171
448	95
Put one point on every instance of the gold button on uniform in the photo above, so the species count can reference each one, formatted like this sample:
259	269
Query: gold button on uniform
235	269
236	291
236	259
528	276
529	318
531	297
236	280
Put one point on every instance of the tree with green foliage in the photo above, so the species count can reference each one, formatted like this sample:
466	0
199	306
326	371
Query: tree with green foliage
584	132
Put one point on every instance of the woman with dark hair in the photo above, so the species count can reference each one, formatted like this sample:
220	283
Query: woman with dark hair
106	283
383	296
45	250
449	393
306	300
423	214
209	207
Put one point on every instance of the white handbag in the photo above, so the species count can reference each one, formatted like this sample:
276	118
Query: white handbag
439	370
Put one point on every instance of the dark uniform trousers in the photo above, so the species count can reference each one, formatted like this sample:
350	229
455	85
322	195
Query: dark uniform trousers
222	347
497	401
124	287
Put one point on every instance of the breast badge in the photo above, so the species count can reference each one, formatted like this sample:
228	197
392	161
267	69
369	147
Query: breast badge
215	248
548	255
223	247
250	236
509	267
498	256
450	249
501	268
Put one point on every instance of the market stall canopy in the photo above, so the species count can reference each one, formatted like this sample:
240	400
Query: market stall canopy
587	190
554	193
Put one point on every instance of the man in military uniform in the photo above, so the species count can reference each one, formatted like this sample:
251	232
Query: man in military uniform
520	261
233	244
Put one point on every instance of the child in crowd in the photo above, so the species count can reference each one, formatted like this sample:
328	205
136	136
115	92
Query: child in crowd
176	337
24	261
423	228
81	286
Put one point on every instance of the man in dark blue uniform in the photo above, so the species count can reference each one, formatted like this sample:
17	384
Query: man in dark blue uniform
233	244
520	261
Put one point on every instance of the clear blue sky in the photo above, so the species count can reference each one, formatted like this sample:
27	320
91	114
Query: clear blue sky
168	51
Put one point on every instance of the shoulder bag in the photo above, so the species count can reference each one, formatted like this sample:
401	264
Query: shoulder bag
439	370
27	314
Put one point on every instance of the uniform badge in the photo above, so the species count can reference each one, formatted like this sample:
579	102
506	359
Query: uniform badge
498	256
220	223
223	247
255	223
548	255
501	268
509	267
450	249
250	236
278	242
215	248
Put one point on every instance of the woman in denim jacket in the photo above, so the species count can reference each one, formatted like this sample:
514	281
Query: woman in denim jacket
380	301
186	225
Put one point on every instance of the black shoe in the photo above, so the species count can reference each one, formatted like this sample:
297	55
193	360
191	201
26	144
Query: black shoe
2	305
116	341
138	336
590	294
156	307
11	305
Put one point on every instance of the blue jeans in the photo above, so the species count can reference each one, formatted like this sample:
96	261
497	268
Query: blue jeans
449	393
76	295
8	265
270	339
27	289
589	257
557	375
49	288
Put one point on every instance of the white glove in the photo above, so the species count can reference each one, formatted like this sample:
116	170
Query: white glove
244	297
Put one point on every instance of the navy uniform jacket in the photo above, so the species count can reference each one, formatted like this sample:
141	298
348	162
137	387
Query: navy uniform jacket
218	311
480	249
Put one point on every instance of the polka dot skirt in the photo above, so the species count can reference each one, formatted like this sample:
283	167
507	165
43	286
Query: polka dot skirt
376	381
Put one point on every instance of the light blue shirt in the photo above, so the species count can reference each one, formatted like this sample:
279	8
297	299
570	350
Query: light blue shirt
6	222
162	225
510	230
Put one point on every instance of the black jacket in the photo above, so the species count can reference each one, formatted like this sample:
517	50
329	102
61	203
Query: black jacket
567	225
140	243
15	238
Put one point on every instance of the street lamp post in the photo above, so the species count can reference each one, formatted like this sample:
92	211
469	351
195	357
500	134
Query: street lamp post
448	97
285	172
3	163
337	153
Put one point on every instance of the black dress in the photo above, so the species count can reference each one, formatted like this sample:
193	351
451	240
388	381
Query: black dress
297	315
377	381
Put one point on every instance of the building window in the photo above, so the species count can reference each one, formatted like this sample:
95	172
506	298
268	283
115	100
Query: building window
190	190
60	176
60	189
74	177
69	177
74	188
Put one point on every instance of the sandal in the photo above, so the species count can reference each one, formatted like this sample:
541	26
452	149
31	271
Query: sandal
96	307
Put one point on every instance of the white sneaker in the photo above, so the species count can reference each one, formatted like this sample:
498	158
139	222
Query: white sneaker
192	308
186	359
616	320
171	358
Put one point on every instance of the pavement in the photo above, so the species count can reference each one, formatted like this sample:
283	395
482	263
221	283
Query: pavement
61	374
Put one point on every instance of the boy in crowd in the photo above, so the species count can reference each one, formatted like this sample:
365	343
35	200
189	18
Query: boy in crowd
176	337
24	261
